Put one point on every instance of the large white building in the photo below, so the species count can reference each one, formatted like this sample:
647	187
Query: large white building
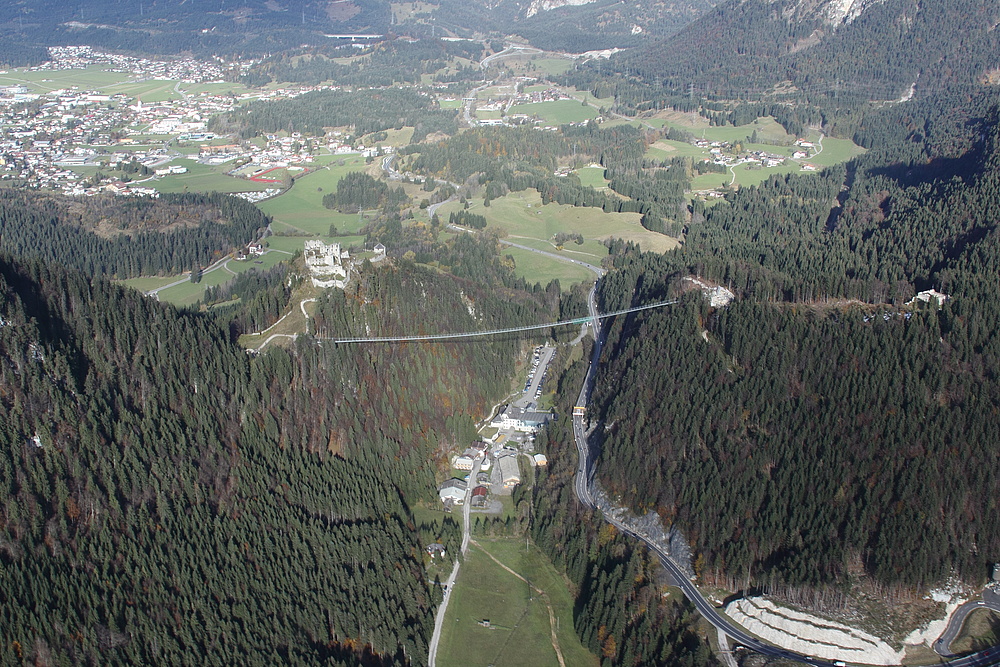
327	264
524	421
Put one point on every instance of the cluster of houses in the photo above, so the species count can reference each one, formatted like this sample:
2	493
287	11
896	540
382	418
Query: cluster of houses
511	418
499	468
43	145
720	154
187	70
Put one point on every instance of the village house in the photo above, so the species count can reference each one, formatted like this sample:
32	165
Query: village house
480	494
453	491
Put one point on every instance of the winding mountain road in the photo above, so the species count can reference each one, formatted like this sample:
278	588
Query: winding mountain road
943	645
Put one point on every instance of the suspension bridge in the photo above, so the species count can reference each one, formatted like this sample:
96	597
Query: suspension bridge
494	332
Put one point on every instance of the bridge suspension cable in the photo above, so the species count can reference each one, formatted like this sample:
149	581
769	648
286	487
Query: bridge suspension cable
494	332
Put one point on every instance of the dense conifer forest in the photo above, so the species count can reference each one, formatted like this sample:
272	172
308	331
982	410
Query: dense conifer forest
787	50
124	238
166	495
819	421
365	110
621	615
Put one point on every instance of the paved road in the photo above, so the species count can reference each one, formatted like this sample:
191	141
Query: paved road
705	607
390	171
439	617
943	645
214	267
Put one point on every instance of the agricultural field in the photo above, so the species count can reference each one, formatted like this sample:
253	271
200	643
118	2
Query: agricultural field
665	149
519	630
523	217
203	178
546	66
43	81
557	112
301	208
96	78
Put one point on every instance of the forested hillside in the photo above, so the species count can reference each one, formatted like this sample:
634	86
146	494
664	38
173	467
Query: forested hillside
366	111
621	613
819	421
209	28
388	63
165	495
124	238
602	24
787	50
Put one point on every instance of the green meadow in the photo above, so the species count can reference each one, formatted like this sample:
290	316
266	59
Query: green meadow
557	112
592	177
203	178
526	222
301	207
519	630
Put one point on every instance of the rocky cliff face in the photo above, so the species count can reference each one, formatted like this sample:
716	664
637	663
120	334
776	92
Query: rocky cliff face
545	5
830	12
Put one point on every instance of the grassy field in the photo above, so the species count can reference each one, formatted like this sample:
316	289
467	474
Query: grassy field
557	112
537	268
520	630
549	66
301	207
203	178
835	151
592	176
188	293
91	78
522	215
400	137
487	115
145	284
665	149
711	181
450	104
529	223
596	102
